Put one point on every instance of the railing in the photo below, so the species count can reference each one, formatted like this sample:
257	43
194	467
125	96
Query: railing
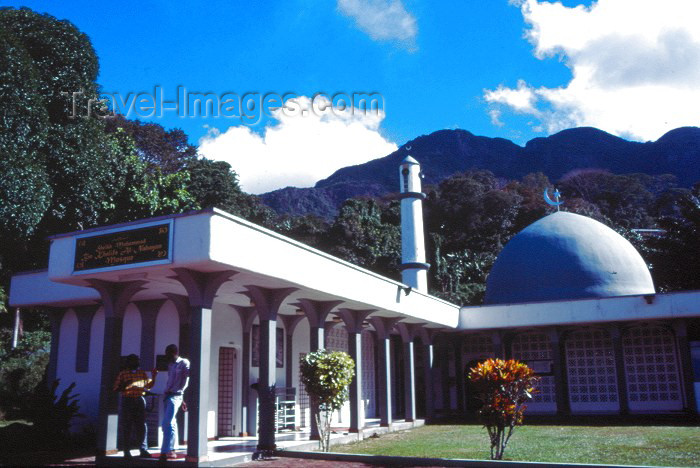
285	409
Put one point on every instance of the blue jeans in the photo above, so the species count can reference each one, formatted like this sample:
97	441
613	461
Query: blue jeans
170	406
134	414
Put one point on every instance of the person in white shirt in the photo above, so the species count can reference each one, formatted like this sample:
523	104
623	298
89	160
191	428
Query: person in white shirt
178	378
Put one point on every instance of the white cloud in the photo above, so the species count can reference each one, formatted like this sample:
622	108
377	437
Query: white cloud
635	67
521	99
298	150
382	20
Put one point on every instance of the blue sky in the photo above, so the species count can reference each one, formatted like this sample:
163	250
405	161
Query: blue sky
475	65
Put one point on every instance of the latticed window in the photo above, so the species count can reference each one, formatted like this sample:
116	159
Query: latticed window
337	339
227	358
532	347
651	367
546	390
536	346
304	404
590	365
477	345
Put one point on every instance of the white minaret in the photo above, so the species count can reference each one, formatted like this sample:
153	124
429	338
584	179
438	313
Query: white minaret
414	269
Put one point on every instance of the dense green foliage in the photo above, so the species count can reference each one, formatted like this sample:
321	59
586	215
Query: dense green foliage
21	369
61	169
63	62
326	376
167	150
24	187
675	256
51	413
366	232
49	416
215	184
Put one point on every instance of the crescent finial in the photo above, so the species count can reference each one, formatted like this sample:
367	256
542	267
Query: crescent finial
556	202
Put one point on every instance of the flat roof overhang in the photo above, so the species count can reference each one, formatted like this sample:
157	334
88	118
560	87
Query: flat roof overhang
212	240
582	311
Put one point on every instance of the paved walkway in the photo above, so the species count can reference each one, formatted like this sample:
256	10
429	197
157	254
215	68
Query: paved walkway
227	451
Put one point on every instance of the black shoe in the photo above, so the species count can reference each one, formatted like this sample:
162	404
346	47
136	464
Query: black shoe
144	454
127	454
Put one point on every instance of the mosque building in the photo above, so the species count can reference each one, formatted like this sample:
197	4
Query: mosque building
576	301
567	295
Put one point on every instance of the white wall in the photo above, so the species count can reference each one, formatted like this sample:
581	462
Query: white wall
91	380
67	344
87	384
167	332
131	331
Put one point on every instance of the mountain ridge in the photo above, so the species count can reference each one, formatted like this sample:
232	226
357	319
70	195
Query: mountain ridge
446	152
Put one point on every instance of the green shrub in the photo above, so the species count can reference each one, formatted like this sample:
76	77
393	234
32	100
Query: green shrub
326	376
53	414
21	369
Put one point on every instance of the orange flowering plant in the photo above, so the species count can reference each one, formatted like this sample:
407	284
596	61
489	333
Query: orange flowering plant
503	388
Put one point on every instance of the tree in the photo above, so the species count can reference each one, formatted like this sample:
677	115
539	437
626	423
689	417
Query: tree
54	163
472	211
61	167
469	217
166	150
503	388
326	376
75	144
532	207
308	229
21	368
460	277
137	190
25	192
675	255
366	232
626	200
215	184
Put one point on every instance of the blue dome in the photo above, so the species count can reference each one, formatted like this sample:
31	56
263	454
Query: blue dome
566	256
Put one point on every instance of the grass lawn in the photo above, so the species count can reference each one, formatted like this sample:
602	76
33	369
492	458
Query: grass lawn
624	445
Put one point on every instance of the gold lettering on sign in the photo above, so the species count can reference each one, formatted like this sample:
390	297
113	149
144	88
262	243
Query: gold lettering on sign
123	248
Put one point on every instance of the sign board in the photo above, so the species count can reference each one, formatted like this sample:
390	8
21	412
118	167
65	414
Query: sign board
145	245
162	362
